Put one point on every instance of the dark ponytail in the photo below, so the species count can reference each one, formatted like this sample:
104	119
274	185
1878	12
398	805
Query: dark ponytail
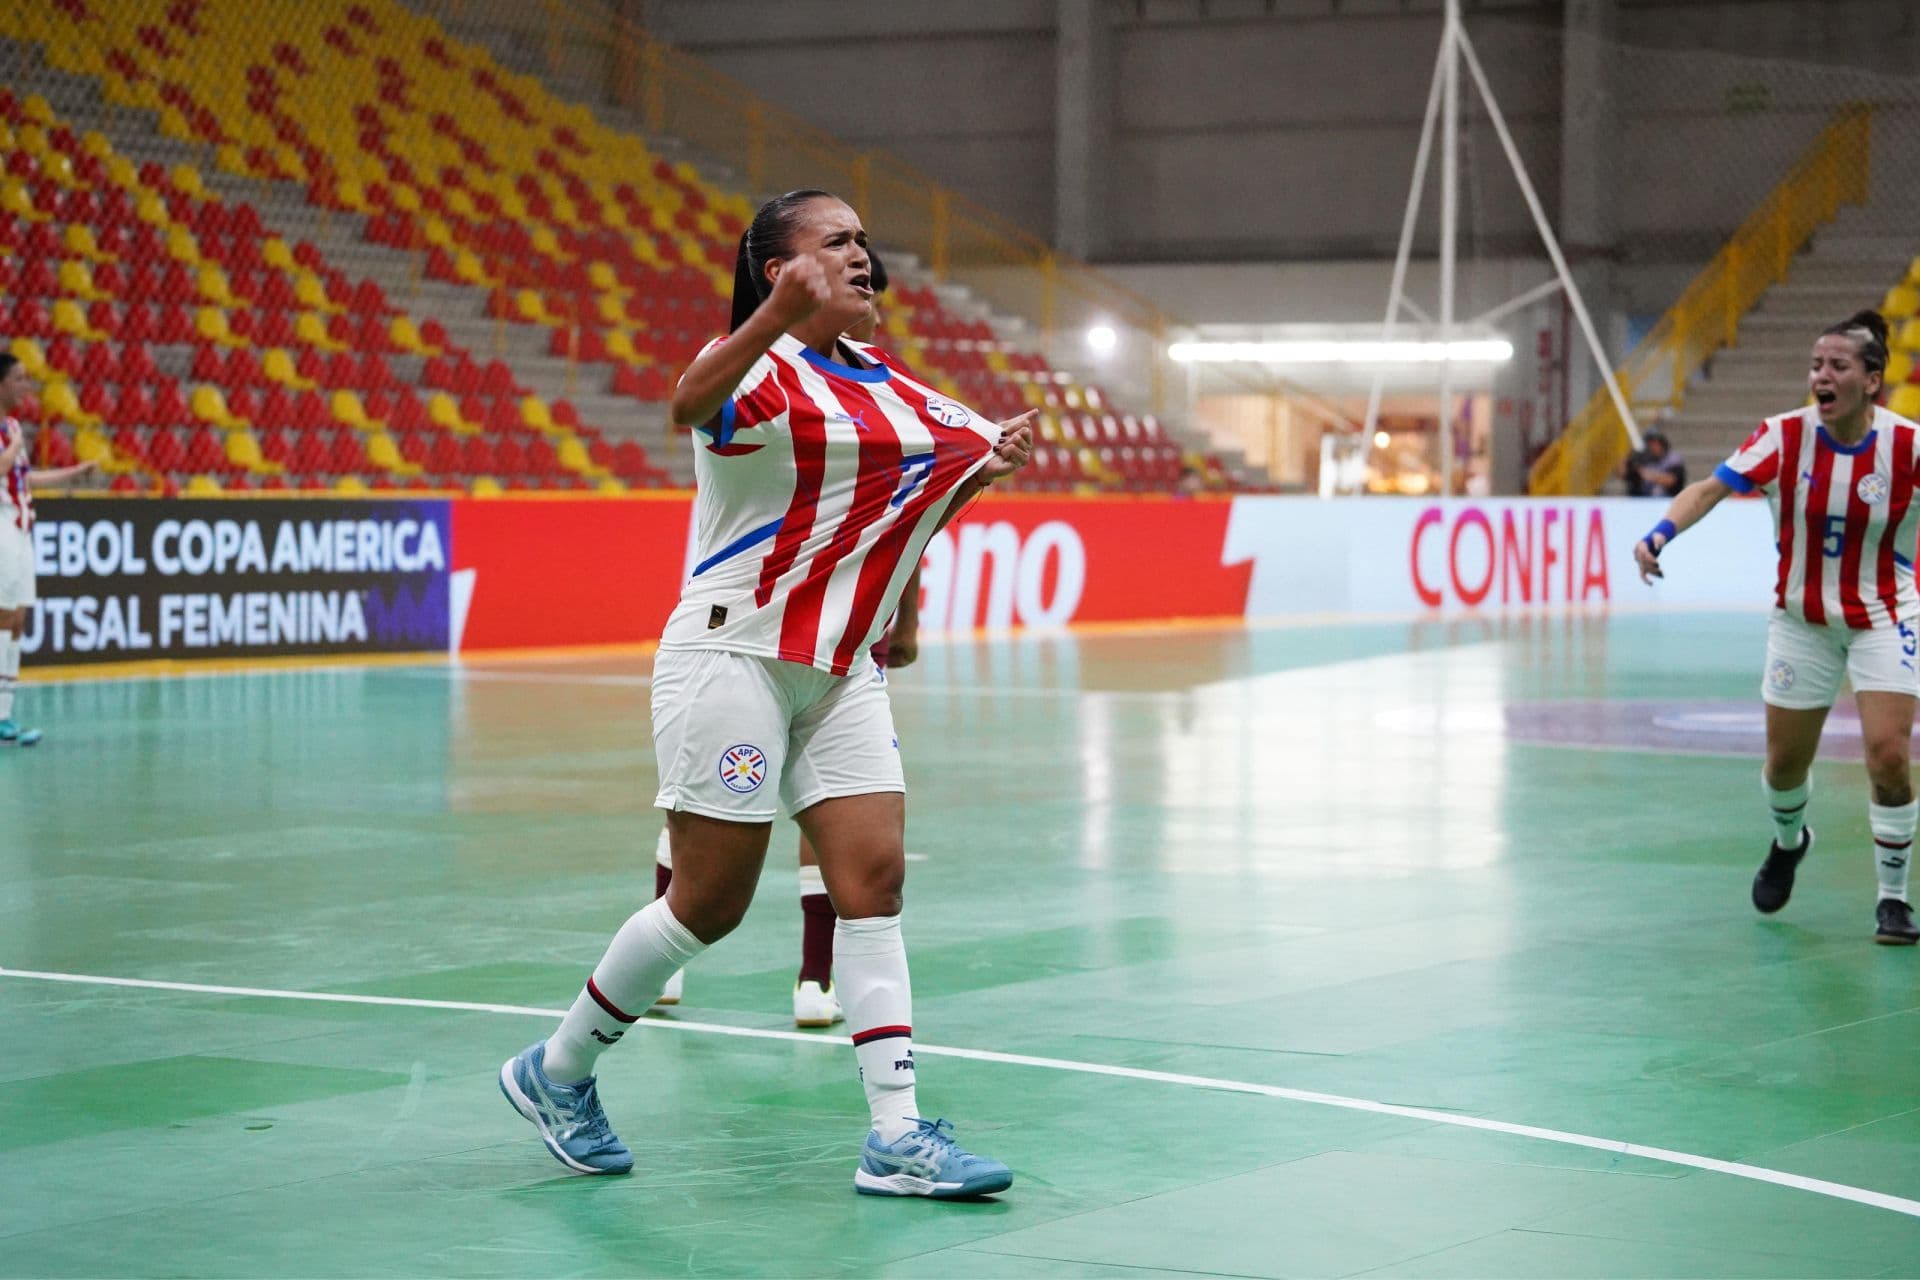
876	271
768	238
1868	330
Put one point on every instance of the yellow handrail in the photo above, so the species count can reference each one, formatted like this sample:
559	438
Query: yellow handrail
1706	317
677	94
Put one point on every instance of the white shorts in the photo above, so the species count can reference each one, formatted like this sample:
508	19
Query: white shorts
745	739
1805	662
16	567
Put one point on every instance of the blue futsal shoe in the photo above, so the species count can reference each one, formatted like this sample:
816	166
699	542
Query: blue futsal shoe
926	1162
568	1117
13	735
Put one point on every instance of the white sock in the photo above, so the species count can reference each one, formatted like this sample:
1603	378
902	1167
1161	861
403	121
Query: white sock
639	960
663	851
1893	844
811	882
1789	812
870	973
9	673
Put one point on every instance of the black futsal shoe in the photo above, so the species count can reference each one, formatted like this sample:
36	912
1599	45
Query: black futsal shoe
1895	920
1773	883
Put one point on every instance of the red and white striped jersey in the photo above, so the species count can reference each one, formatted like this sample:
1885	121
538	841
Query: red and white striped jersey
16	504
819	487
1844	516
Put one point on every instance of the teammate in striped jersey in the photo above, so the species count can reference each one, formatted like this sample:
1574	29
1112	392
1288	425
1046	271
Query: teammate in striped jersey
815	1003
17	594
1840	475
823	468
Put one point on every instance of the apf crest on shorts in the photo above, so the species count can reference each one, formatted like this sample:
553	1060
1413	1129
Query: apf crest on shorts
1781	675
1873	488
743	768
947	413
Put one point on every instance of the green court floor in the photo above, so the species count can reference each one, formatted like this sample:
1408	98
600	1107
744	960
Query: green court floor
1333	950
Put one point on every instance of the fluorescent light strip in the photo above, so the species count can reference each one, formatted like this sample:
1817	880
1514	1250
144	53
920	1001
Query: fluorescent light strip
1481	350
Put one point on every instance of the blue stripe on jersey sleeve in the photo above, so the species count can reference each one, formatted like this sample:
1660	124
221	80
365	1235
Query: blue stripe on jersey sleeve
1902	561
745	542
1733	479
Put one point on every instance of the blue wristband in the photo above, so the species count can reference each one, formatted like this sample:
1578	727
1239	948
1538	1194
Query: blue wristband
1665	531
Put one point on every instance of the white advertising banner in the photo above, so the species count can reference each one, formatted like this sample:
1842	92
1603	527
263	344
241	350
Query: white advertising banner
1401	555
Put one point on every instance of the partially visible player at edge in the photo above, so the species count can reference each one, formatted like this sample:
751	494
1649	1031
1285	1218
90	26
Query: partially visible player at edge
814	1001
17	594
823	468
1840	476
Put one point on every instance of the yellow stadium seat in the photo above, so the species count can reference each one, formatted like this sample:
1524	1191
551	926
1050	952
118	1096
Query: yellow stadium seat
90	444
202	487
34	359
353	486
438	233
95	144
534	412
460	204
610	485
275	253
348	411
35	108
79	240
210	406
531	307
181	246
444	413
151	209
1908	334
312	330
1902	301
1905	401
573	456
121	173
60	169
68	318
310	292
243	450
620	347
62	405
16	200
186	180
609	309
214	287
469	270
383	453
485	487
405	198
210	324
76	280
1899	367
278	365
405	334
32	139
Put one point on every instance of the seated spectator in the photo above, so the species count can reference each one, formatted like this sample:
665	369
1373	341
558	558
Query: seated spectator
1656	471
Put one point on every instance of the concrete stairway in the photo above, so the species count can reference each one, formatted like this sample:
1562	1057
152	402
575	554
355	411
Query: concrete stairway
1853	261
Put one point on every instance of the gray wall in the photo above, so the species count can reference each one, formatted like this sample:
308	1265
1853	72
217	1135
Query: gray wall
1250	131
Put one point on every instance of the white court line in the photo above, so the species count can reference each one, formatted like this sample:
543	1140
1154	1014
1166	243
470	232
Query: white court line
1733	1168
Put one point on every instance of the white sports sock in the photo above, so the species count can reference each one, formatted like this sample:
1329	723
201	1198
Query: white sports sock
1893	844
663	851
811	882
870	972
1789	812
9	673
639	960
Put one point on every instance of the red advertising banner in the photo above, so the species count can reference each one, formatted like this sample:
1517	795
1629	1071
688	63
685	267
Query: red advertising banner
560	572
549	573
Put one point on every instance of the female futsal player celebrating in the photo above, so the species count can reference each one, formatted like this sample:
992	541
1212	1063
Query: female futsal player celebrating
1840	476
823	469
815	1003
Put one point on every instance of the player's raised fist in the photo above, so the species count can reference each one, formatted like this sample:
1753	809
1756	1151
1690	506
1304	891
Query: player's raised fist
799	290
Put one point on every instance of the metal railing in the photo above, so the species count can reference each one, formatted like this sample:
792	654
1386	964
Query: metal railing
1834	170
